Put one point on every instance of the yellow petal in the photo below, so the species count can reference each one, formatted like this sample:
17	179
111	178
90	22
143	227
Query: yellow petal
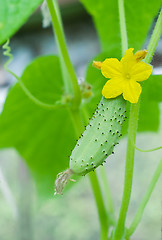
128	60
141	71
128	55
113	88
132	91
111	67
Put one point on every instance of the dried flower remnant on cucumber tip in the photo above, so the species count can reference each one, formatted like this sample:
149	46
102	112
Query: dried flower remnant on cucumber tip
61	181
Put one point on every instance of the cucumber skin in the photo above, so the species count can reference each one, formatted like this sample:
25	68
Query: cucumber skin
100	136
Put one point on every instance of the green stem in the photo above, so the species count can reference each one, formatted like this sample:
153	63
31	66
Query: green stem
133	119
76	116
123	30
145	200
100	205
106	223
77	121
110	205
149	150
120	228
7	53
35	100
66	77
108	197
154	38
106	219
79	128
70	83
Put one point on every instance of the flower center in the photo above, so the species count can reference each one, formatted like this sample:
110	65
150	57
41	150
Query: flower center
128	76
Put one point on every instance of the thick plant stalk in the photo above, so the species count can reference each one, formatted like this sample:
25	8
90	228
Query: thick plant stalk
133	119
75	112
71	83
100	205
120	228
110	204
154	38
123	30
78	124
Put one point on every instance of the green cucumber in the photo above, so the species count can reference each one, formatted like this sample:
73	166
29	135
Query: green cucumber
97	141
100	136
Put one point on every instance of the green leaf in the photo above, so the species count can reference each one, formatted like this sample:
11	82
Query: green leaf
13	14
43	78
149	115
43	137
139	17
153	88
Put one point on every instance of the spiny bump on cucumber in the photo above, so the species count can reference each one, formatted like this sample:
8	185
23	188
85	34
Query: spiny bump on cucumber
99	138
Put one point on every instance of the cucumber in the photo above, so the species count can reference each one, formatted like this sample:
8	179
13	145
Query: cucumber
100	136
97	141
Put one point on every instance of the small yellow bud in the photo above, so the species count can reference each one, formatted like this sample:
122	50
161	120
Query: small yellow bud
140	54
97	64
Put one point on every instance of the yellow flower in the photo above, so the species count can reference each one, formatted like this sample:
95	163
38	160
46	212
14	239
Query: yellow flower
124	75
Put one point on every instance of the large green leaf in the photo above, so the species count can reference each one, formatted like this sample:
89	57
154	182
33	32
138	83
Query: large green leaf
154	88
151	95
13	14
149	117
43	137
139	17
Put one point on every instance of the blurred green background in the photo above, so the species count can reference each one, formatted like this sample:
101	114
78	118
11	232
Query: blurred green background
72	216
